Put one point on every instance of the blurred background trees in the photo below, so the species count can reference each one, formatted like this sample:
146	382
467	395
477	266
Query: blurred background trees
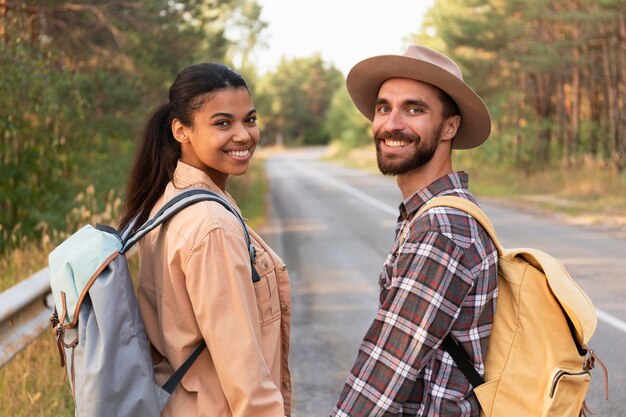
552	71
78	77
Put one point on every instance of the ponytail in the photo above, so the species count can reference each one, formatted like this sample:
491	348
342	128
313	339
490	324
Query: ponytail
153	167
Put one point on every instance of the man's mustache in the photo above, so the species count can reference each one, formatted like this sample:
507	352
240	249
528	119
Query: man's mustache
407	137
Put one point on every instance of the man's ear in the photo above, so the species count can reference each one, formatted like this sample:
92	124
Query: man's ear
179	131
450	127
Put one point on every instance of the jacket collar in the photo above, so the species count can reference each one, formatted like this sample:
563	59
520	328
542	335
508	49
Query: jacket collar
187	176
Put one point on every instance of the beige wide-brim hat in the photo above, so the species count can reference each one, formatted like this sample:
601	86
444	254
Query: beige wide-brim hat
422	64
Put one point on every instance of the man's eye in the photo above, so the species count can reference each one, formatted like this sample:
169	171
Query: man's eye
414	110
383	109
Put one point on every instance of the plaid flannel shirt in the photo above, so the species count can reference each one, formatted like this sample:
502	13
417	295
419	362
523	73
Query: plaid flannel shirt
442	279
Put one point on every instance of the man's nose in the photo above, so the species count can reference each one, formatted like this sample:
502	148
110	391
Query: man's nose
394	121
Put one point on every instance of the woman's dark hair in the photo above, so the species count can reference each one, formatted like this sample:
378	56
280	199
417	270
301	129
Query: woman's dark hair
158	152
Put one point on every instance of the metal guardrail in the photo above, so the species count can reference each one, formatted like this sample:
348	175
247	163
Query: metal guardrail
25	311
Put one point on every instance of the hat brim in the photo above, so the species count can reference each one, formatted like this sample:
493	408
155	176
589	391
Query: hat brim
366	77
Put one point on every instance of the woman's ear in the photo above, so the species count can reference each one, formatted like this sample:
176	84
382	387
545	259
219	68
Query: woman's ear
179	131
450	127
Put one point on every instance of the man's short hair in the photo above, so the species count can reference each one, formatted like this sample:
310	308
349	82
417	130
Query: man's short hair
449	106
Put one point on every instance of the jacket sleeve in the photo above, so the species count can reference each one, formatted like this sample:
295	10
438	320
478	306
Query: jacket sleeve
218	279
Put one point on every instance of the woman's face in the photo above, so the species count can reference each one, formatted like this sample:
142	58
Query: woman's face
223	137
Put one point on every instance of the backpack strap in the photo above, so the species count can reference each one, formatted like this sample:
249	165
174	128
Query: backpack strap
468	207
173	381
169	209
458	354
176	204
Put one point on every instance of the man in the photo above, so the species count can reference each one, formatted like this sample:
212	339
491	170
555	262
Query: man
440	277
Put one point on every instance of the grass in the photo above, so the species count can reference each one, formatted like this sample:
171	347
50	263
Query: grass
33	384
588	192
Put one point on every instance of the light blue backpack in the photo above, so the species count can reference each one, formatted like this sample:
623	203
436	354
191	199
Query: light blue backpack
100	334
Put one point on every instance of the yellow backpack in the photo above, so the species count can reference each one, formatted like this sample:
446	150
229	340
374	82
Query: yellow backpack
538	363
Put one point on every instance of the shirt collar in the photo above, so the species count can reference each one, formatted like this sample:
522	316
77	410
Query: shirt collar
451	181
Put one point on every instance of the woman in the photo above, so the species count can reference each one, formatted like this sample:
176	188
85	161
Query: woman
195	272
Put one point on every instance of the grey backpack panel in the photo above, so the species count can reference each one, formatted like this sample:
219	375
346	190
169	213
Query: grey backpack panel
102	375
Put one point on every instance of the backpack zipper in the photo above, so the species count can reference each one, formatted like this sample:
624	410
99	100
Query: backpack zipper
559	375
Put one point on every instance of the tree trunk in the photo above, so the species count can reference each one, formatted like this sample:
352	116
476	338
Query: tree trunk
611	104
620	67
575	107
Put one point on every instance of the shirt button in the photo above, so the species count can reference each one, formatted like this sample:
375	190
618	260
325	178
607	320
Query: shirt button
284	307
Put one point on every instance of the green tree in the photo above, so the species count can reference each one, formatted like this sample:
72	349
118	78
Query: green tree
551	71
295	101
78	79
346	125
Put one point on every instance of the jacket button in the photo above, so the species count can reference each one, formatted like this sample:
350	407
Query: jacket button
264	264
283	267
284	307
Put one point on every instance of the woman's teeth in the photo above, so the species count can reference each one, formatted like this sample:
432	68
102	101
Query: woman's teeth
239	154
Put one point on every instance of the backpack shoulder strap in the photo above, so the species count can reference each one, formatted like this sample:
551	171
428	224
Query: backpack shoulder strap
176	204
450	345
470	208
578	307
169	209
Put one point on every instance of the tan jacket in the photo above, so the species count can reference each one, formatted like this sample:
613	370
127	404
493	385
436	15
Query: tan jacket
195	282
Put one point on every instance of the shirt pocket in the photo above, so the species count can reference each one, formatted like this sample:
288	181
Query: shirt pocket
266	289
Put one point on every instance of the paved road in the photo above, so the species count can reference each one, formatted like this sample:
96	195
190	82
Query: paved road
333	227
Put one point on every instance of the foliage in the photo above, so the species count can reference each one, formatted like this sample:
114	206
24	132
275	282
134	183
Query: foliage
77	81
347	126
294	101
550	70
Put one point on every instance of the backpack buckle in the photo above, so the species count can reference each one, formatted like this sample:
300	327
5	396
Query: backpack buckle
590	362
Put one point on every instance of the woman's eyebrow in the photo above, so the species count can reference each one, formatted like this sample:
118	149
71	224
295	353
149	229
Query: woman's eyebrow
227	115
230	116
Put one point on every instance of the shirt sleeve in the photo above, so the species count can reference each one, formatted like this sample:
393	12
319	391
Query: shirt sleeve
222	294
431	280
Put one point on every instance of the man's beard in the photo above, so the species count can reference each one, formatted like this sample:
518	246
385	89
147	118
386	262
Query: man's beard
422	151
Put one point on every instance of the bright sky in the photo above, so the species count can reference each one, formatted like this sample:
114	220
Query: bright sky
343	31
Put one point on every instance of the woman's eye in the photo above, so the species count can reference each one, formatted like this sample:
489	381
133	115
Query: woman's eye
251	120
222	123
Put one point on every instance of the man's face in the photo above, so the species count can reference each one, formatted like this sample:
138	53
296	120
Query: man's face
407	125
